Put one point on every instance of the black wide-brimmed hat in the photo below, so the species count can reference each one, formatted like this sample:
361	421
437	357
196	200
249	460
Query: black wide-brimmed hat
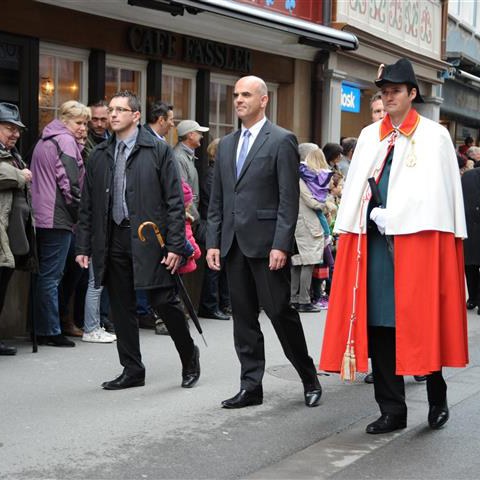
10	113
399	72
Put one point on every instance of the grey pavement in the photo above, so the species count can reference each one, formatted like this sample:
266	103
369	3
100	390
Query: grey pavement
57	423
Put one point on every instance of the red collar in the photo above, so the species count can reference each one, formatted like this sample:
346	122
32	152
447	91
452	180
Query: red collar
406	128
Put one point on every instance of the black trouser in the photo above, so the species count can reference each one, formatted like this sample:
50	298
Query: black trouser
253	284
389	387
472	273
214	294
5	276
119	283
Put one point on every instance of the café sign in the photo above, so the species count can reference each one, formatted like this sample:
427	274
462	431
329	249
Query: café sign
160	44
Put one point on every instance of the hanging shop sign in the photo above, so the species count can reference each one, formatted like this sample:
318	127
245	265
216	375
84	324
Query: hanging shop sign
350	99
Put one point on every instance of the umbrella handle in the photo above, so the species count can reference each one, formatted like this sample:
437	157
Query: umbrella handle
155	229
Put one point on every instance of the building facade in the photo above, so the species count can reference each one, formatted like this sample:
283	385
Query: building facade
188	53
460	111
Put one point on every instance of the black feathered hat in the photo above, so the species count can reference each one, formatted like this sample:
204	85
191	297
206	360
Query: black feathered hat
399	72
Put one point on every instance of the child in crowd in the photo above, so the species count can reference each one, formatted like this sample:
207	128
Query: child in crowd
320	183
191	264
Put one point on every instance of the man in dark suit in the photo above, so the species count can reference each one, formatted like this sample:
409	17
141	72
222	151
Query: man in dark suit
251	222
132	178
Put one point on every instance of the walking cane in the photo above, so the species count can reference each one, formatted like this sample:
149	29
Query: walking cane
178	279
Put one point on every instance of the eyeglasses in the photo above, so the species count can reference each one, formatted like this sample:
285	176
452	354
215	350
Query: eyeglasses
110	110
13	129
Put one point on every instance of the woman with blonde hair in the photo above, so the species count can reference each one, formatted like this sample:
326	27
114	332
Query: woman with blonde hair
309	234
57	172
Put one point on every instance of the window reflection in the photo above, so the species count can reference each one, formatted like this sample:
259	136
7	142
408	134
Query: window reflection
60	81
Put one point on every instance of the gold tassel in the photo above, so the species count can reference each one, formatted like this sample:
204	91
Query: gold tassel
349	364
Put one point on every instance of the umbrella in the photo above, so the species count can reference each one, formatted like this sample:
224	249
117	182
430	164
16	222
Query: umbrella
178	279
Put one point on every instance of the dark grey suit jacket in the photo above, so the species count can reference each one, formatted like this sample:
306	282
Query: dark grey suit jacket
260	208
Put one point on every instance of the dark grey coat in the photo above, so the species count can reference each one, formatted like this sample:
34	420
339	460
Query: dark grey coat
471	199
153	193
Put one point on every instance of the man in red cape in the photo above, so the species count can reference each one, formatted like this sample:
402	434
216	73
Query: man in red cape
404	306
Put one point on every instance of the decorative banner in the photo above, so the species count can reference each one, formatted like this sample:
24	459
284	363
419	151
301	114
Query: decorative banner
350	98
413	24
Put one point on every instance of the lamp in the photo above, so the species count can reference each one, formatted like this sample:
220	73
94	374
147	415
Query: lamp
47	86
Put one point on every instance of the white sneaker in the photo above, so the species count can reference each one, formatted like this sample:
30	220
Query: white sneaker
99	335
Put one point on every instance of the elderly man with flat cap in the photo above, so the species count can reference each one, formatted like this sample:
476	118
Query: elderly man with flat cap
398	291
190	134
16	225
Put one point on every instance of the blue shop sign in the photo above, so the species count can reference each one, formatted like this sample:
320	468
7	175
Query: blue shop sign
350	99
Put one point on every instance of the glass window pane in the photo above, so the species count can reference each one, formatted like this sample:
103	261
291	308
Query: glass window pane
68	80
46	95
213	102
167	89
45	116
181	98
111	82
130	80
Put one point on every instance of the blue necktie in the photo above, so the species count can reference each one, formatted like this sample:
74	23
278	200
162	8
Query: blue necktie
243	151
118	211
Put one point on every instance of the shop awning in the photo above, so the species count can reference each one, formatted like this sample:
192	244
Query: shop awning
309	33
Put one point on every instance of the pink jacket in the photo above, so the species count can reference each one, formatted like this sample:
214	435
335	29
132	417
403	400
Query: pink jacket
191	264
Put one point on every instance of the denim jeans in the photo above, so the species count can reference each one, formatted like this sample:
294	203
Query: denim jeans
52	245
92	303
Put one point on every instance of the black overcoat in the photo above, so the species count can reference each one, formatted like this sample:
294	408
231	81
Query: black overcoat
471	199
153	193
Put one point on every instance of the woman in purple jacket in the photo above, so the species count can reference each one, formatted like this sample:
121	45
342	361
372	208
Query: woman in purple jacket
58	171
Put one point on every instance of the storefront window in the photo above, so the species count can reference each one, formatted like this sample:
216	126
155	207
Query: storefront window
61	79
119	79
222	113
178	89
123	73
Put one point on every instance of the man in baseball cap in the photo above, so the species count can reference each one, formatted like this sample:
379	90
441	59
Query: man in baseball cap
190	134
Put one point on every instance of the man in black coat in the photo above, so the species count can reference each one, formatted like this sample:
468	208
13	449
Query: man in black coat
130	179
251	223
471	198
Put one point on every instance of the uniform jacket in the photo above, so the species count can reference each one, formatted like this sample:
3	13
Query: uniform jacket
153	193
260	207
57	177
422	172
425	215
471	194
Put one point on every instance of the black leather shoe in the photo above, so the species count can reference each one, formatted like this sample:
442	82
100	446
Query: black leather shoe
124	381
312	396
368	378
191	374
388	422
438	415
471	305
59	340
420	378
307	307
7	350
217	315
244	398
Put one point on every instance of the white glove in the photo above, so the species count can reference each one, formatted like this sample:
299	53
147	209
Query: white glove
379	216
